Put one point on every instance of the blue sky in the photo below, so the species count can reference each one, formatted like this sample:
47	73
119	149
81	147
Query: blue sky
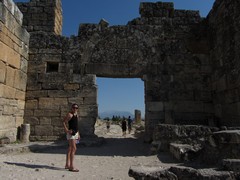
117	94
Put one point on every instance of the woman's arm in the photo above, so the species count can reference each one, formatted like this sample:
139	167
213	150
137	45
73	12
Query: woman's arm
65	121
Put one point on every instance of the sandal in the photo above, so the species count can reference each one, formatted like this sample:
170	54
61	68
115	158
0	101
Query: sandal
74	170
66	167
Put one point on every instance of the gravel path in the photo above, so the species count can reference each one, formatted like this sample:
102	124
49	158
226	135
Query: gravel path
111	160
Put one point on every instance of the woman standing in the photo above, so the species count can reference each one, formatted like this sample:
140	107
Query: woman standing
72	135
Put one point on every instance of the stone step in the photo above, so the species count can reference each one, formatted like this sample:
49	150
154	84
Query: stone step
179	172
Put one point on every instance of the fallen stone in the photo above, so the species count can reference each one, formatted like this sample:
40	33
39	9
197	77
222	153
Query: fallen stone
144	172
184	152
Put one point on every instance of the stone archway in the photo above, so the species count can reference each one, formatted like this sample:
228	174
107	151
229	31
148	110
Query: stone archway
164	47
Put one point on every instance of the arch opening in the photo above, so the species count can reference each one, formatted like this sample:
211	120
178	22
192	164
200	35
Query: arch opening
119	98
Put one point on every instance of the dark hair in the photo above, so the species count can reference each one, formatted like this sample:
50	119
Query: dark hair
74	104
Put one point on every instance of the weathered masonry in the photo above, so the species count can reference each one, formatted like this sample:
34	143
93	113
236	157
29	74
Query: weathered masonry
14	41
190	65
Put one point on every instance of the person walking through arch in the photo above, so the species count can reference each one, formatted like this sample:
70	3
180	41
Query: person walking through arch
124	127
108	125
70	124
129	124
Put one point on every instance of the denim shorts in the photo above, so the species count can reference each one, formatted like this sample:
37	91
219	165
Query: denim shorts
69	136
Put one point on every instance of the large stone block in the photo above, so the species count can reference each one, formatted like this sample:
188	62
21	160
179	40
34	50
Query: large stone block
36	66
193	118
45	121
88	91
21	104
156	115
8	38
10	76
188	106
28	113
52	103
52	85
38	93
9	56
7	122
10	133
2	72
154	106
43	130
3	101
114	70
20	80
71	86
46	113
7	92
58	131
31	120
89	100
32	104
19	121
24	65
56	121
10	110
88	110
13	9
10	21
20	95
1	12
77	99
63	94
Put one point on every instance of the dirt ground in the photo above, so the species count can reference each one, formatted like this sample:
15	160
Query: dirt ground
111	160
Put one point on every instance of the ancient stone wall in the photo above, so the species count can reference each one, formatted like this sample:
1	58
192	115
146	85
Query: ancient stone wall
224	29
54	83
14	41
55	80
42	15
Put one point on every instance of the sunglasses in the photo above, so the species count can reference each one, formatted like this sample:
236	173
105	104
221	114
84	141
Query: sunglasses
75	107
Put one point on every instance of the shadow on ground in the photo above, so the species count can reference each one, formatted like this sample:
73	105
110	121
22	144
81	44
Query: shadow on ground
33	166
109	147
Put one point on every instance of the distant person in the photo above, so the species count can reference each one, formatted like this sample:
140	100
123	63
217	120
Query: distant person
70	124
124	127
129	124
108	125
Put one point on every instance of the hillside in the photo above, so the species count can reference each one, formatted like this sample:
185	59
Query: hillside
112	113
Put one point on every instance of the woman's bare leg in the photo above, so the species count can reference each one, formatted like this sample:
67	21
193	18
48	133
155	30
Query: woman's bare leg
68	155
72	153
